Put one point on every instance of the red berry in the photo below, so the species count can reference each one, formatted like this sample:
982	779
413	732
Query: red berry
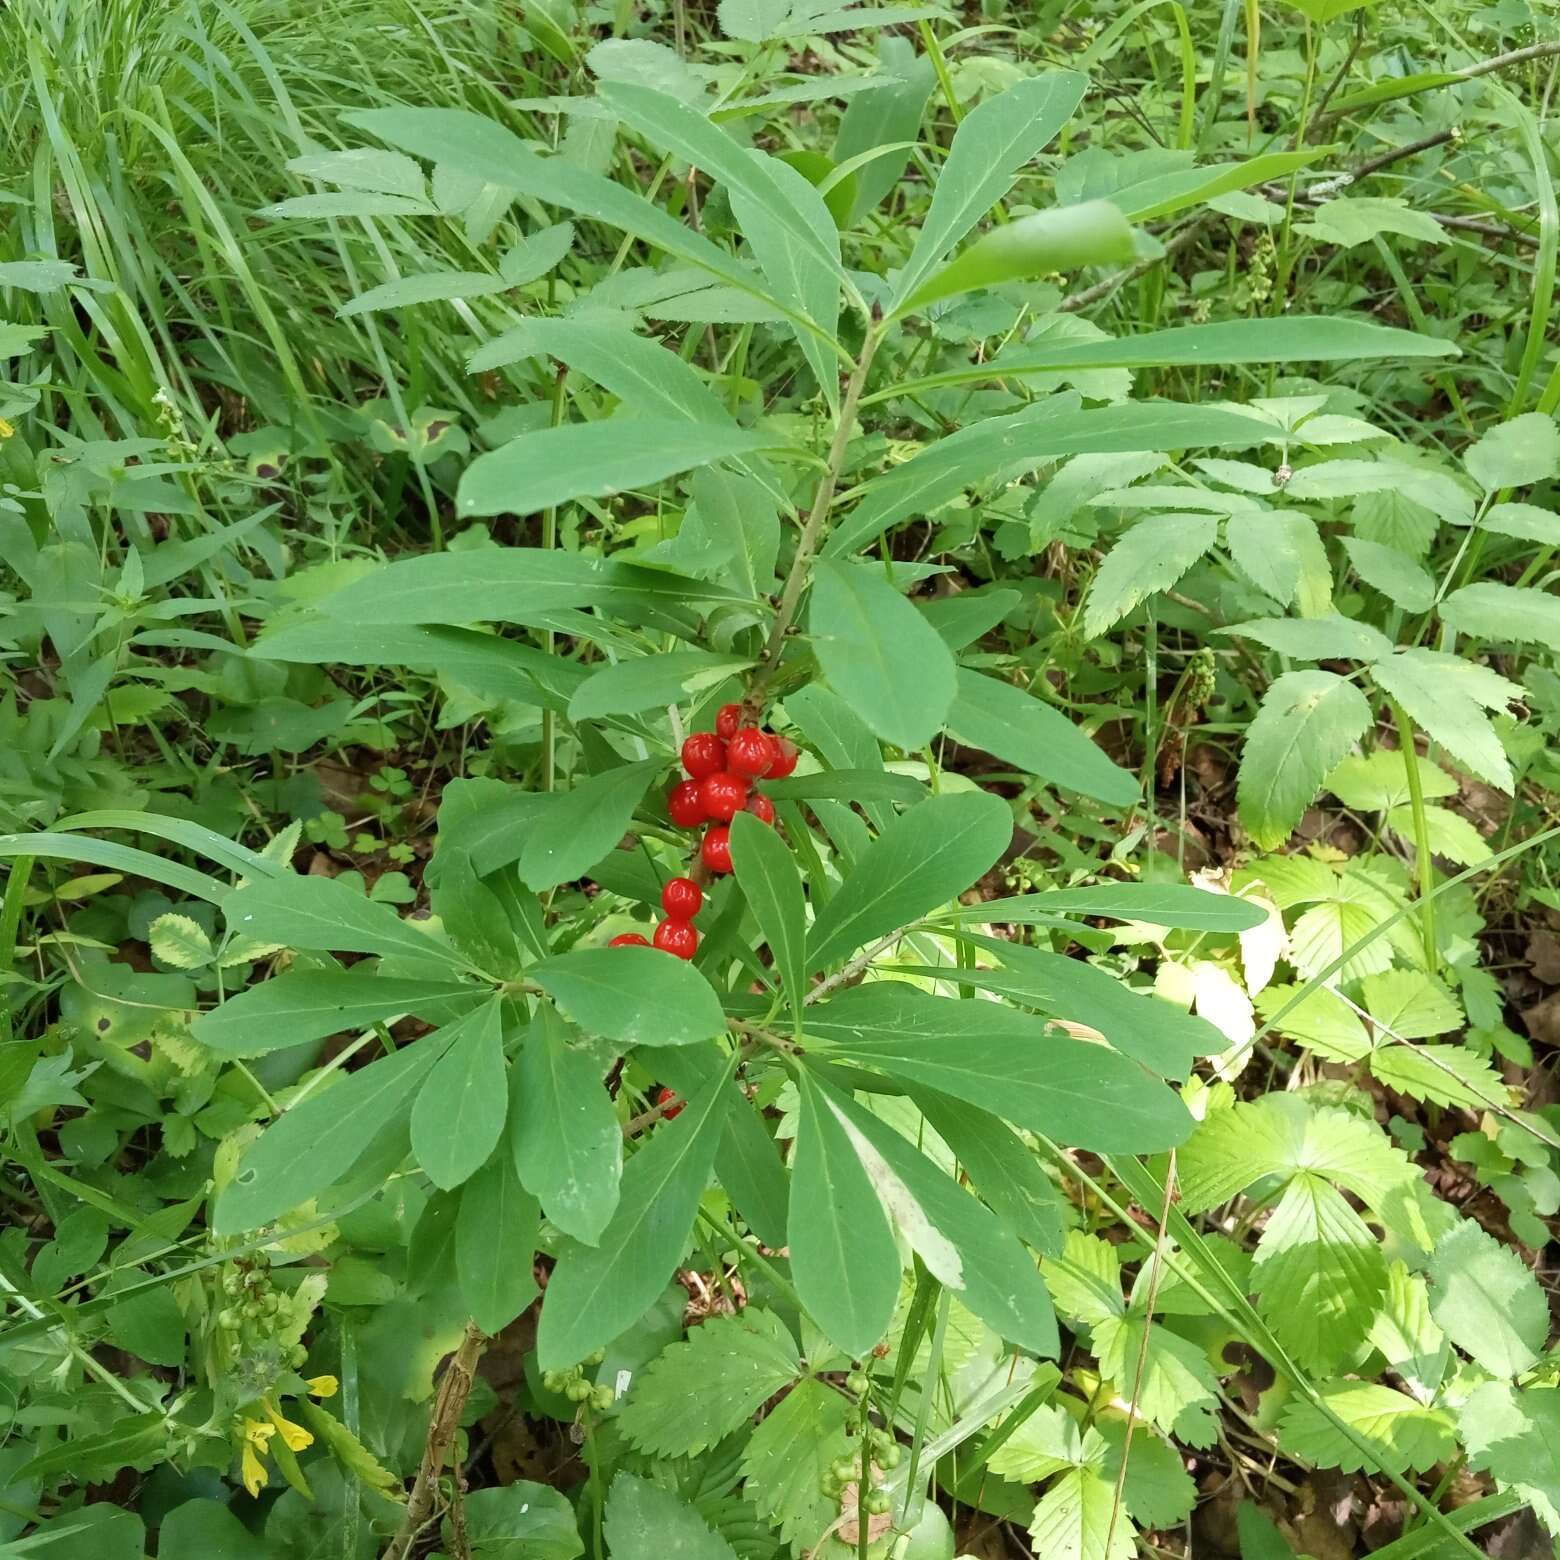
727	720
682	898
751	753
703	754
723	796
762	808
715	852
670	1102
785	758
629	940
683	803
677	937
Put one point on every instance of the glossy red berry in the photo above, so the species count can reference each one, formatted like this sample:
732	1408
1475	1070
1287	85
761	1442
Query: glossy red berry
703	754
715	852
670	1102
676	937
762	808
683	803
682	898
629	940
785	758
751	753
723	796
727	720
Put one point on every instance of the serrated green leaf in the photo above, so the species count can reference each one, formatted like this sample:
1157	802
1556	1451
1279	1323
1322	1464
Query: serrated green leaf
1377	781
1085	1279
1410	1004
1306	723
1450	834
645	1522
1178	1389
1398	577
701	1390
1483	1296
879	654
1515	1435
180	941
1505	613
1404	1435
1513	454
1316	639
1320	1020
1282	552
1073	1520
1443	1074
788	1457
1447	696
1151	557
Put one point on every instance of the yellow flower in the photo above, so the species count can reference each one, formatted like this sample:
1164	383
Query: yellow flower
257	1435
6	430
295	1437
322	1386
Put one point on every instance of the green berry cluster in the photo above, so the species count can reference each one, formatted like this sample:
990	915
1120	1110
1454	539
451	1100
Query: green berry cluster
248	1317
883	1454
573	1384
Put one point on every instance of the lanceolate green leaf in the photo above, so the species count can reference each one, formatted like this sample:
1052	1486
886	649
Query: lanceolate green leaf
1151	557
1008	447
1505	613
878	653
1025	731
1448	697
1159	904
583	825
596	1292
494	585
923	859
1062	239
459	1112
959	1239
565	1139
767	875
495	1245
635	996
843	1255
303	1005
315	1143
478	146
550	466
649	682
1297	339
1080	1093
1307	722
991	146
329	916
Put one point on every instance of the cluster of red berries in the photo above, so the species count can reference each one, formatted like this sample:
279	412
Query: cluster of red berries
722	765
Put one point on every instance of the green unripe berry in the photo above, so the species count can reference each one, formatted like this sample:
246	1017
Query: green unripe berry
554	1380
876	1502
578	1391
228	1319
856	1382
602	1398
299	1357
844	1469
596	1358
889	1458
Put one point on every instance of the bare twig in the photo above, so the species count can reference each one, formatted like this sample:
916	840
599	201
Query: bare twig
454	1389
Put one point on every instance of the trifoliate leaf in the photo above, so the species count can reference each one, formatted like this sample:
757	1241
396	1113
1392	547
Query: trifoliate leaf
698	1392
1403	1435
1487	1301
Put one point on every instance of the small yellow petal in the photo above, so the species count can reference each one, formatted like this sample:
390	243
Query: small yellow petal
258	1433
294	1436
6	430
255	1478
322	1386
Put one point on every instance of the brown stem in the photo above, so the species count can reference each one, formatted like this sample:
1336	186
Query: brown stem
454	1389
